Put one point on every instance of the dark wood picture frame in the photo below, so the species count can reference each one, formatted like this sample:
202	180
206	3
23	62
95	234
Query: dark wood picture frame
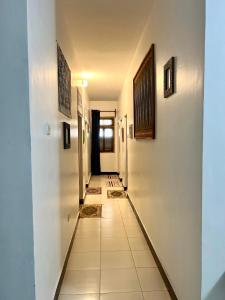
144	98
64	84
66	135
122	132
130	131
169	78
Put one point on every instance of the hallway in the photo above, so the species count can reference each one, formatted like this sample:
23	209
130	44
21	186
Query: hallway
110	258
134	88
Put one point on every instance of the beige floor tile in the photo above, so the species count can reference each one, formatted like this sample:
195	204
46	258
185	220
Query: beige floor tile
88	223
114	244
92	201
113	231
150	279
130	219
81	282
88	232
119	280
80	297
84	261
108	223
116	259
86	244
138	243
131	222
115	218
134	231
110	212
143	259
122	296
156	296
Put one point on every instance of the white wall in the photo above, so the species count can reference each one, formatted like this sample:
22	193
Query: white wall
16	234
54	170
165	175
213	253
109	161
87	138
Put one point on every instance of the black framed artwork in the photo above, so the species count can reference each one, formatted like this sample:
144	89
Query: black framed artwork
169	78
144	98
64	84
66	135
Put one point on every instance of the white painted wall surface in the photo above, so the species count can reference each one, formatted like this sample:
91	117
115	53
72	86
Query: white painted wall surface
86	138
54	170
165	175
109	161
16	229
83	142
213	244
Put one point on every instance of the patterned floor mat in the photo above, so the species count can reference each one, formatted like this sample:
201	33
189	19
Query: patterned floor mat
113	177
91	211
113	183
94	190
116	194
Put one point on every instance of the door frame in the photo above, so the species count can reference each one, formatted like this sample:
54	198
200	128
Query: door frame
80	158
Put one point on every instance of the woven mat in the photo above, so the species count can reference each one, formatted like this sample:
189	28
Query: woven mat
116	194
91	211
113	177
113	183
94	190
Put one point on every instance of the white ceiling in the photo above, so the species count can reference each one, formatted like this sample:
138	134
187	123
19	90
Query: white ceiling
104	34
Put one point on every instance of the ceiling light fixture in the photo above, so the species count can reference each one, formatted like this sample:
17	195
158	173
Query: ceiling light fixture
87	75
81	83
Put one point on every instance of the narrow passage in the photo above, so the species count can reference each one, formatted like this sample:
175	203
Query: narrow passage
110	259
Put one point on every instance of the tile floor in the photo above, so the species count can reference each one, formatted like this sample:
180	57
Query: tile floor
110	259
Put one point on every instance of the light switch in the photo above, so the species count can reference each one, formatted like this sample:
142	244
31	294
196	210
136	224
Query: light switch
47	129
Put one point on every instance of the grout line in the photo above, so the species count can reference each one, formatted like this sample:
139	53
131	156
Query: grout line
131	252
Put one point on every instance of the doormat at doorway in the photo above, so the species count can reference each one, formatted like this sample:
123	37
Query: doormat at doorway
91	211
116	194
113	183
113	177
94	190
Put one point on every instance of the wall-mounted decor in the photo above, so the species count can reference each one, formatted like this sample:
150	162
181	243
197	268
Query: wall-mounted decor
84	136
131	131
169	78
79	103
64	84
122	133
66	135
144	98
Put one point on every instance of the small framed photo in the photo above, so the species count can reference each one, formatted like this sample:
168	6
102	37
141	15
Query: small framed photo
122	134
66	135
131	131
169	78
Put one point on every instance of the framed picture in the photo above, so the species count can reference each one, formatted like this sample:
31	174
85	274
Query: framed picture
64	84
79	103
122	132
66	135
144	98
169	78
130	131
